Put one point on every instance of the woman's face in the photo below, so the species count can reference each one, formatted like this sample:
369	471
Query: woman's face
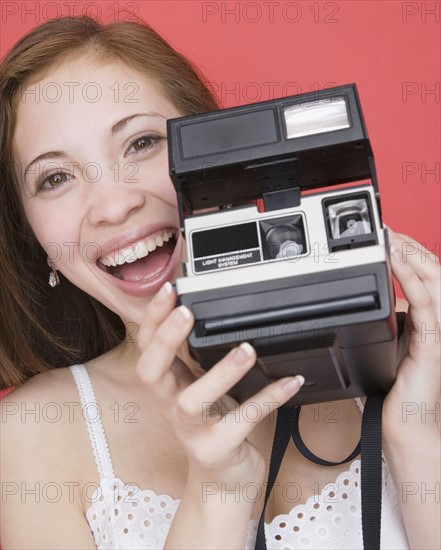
90	143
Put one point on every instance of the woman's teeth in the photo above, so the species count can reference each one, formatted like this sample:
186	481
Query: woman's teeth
137	250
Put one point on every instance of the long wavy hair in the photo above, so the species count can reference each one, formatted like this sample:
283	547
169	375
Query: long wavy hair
43	328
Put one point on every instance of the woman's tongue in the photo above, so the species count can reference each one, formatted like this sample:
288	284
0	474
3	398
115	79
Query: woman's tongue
146	268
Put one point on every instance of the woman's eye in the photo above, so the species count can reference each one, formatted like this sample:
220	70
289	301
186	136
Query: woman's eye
53	181
145	143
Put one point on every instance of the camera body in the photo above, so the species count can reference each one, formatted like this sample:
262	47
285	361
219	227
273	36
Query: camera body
307	281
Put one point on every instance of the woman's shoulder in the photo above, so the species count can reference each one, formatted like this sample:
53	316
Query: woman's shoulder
49	388
45	463
41	419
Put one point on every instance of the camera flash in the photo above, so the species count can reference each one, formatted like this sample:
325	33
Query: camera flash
316	117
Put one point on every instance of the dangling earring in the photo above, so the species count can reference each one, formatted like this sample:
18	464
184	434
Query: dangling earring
54	280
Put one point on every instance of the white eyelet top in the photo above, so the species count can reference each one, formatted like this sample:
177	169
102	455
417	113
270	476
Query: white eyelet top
122	516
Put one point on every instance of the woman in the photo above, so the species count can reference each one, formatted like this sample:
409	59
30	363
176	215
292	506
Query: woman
85	191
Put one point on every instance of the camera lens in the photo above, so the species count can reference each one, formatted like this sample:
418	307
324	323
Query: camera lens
283	237
284	241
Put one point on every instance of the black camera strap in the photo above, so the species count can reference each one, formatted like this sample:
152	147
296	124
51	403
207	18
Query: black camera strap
371	466
371	472
282	435
303	449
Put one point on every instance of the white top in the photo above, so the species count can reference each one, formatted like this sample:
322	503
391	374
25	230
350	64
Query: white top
123	516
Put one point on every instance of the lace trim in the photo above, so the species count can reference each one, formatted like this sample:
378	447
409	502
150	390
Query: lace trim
360	404
122	516
331	519
93	421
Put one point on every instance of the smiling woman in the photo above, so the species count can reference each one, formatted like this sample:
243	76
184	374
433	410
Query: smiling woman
86	201
48	110
110	173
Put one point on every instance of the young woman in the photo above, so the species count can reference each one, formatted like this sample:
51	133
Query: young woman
101	454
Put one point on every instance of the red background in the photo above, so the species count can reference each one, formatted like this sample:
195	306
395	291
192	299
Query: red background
254	51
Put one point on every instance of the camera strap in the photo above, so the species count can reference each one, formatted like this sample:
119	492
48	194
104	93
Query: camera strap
303	449
287	426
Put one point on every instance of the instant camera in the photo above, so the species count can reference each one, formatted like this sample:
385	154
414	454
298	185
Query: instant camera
306	277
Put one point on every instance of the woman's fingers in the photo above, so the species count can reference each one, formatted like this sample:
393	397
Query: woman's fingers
216	382
156	312
424	262
419	276
191	405
419	280
159	356
162	332
201	401
261	405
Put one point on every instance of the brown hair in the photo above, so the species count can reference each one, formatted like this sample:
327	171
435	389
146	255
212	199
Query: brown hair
43	328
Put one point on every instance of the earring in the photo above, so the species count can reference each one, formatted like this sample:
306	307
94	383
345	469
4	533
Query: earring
54	280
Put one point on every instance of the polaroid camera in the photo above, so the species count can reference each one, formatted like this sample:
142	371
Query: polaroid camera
306	277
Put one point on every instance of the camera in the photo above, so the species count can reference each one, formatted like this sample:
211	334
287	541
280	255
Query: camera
280	209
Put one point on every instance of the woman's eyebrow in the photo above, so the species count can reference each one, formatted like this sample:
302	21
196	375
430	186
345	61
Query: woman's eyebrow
121	123
43	156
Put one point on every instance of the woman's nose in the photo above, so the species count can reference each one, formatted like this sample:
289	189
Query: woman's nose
112	201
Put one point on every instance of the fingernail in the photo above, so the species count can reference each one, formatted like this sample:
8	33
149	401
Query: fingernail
183	316
296	382
164	294
242	354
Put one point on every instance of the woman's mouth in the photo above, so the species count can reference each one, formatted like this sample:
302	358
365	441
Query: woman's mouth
143	260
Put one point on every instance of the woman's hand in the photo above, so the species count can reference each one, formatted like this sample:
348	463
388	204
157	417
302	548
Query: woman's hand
411	409
411	439
197	410
214	439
